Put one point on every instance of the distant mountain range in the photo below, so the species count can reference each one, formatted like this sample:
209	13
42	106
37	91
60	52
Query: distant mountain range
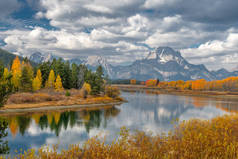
163	63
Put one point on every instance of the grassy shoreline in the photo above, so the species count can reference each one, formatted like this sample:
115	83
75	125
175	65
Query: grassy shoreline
220	95
51	100
18	111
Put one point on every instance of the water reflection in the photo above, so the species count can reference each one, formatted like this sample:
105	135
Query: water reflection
4	149
147	112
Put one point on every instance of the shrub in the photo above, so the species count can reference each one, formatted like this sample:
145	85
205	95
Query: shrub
194	139
112	92
21	98
67	94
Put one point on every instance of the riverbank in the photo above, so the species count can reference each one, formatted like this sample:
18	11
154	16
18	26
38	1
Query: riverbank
17	111
42	101
220	95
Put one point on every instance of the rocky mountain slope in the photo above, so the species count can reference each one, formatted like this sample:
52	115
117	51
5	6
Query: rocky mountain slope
163	63
166	64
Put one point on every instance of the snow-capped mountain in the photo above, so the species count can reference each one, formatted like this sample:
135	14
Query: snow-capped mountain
163	63
93	62
38	57
77	61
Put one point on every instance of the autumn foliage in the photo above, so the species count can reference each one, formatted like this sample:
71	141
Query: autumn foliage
133	81
194	139
228	84
151	82
58	84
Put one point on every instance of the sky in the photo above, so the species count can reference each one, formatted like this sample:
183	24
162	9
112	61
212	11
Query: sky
204	31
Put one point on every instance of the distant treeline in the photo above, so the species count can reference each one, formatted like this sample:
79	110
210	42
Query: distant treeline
124	81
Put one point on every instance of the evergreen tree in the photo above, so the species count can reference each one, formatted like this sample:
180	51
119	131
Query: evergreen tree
99	79
95	79
45	71
75	72
26	79
1	69
67	76
6	87
58	84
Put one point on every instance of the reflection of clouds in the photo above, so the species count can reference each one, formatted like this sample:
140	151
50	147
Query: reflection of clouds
35	130
202	113
162	112
69	136
149	113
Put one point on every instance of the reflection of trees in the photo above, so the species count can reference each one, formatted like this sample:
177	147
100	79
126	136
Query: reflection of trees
57	121
94	120
4	149
112	112
23	123
227	106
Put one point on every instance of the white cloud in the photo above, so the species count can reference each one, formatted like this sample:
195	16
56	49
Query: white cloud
224	51
97	8
157	3
121	30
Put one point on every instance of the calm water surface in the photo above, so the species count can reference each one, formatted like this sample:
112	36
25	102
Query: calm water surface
147	112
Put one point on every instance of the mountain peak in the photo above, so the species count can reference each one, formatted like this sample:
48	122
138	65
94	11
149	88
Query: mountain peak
39	57
164	54
95	60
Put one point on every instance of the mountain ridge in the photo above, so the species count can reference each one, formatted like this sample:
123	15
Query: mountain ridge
163	63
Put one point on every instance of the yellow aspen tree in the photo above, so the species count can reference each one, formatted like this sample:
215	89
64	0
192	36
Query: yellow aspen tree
30	71
39	76
16	72
36	84
87	87
6	73
51	80
58	84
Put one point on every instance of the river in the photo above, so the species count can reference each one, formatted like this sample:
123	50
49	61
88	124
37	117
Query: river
148	112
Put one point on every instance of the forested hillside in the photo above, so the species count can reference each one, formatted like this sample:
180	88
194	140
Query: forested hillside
6	58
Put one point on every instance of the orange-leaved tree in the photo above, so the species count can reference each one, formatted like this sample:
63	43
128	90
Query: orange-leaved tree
133	81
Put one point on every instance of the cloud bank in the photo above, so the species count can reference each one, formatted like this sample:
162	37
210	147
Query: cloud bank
124	30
